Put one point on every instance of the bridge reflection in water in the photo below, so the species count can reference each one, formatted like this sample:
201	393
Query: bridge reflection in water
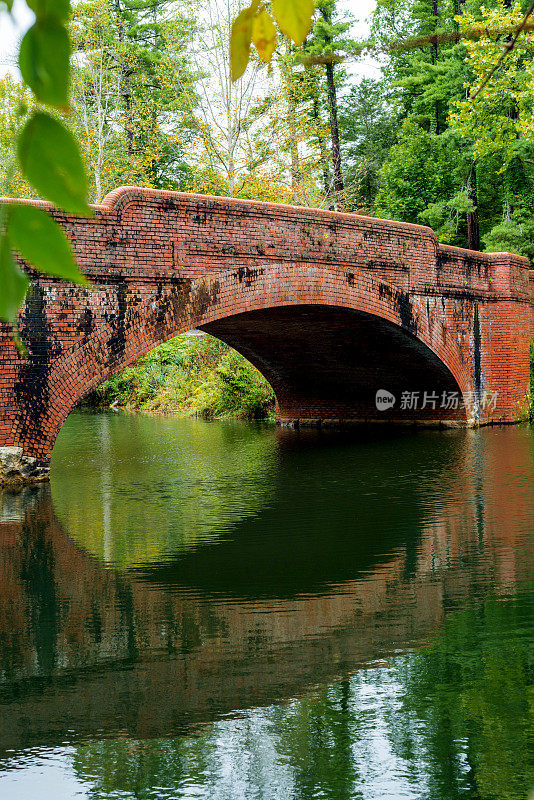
137	601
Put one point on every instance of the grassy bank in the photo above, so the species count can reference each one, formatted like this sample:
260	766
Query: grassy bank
193	376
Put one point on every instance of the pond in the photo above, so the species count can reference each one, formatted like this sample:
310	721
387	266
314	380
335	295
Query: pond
234	611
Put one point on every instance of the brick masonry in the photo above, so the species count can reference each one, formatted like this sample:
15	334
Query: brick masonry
330	307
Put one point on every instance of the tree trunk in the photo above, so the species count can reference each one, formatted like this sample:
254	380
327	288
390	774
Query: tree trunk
98	184
127	95
435	59
231	162
339	186
323	154
296	172
507	206
126	92
473	230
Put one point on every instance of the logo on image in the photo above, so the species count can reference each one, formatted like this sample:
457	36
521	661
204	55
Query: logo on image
384	400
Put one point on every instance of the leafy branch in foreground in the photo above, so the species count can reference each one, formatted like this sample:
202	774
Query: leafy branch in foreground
49	159
255	25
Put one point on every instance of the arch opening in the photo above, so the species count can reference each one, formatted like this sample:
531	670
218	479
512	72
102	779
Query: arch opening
326	364
192	374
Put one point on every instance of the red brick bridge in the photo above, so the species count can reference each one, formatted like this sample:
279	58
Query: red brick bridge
332	308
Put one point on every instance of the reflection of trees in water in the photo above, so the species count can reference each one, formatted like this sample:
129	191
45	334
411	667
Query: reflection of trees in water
454	720
37	576
467	702
145	487
102	651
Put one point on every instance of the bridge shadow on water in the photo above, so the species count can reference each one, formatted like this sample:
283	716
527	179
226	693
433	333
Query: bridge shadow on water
139	598
326	519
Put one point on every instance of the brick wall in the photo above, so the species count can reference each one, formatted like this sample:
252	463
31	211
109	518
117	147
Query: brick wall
331	307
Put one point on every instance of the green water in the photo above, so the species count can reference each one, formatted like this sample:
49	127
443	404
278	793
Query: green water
234	612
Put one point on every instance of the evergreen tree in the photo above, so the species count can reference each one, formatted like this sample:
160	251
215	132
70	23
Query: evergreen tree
130	80
156	74
422	84
463	159
421	182
368	126
305	132
497	117
328	39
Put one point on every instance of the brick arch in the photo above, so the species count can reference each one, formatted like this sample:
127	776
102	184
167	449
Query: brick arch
229	296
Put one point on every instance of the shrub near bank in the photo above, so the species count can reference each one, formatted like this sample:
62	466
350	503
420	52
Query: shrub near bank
190	375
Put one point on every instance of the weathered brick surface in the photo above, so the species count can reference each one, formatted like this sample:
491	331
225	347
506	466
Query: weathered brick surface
331	307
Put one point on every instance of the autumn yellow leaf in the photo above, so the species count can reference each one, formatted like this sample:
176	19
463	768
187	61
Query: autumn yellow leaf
264	35
294	18
240	39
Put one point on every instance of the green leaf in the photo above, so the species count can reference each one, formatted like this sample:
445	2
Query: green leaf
294	18
42	243
51	161
240	39
44	61
60	9
13	283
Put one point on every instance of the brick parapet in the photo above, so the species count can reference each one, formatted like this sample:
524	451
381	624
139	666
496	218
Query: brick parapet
491	276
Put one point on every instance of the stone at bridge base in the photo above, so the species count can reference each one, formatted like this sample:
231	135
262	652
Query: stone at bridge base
18	469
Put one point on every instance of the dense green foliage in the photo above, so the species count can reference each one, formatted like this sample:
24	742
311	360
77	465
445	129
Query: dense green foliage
191	375
425	146
132	89
369	125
